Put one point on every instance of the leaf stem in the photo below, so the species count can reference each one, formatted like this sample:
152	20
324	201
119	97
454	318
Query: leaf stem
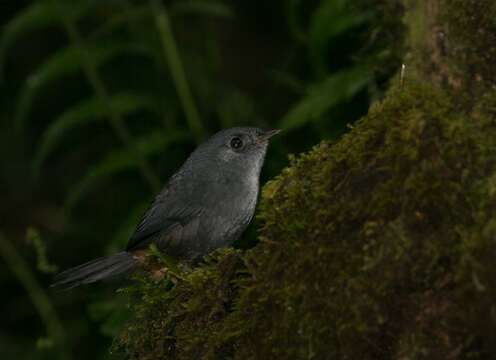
116	120
176	68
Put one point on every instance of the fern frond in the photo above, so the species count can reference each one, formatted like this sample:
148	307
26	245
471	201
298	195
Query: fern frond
124	159
37	16
84	113
64	62
120	19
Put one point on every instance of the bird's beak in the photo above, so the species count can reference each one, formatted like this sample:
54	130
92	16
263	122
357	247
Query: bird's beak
268	134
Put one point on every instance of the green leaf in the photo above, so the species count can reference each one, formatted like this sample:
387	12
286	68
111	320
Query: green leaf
38	15
84	113
62	63
329	21
333	17
208	8
335	89
124	159
117	20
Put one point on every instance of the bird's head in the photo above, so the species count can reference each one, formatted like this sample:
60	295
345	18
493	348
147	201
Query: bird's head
240	149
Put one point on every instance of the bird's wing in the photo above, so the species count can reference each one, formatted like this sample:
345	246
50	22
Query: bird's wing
165	213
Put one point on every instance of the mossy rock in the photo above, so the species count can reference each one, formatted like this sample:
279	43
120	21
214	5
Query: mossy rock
379	246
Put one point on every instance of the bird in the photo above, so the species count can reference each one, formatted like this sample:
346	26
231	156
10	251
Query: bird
207	204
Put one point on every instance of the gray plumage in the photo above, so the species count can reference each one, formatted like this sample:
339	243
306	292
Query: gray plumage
207	204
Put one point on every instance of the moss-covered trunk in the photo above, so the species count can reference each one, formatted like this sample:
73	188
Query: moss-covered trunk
379	246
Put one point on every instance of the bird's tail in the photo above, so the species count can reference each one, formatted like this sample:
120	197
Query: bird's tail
95	270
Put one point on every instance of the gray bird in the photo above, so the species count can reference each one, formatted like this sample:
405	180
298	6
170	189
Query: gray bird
206	205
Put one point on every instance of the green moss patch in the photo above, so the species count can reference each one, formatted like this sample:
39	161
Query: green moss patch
379	246
471	40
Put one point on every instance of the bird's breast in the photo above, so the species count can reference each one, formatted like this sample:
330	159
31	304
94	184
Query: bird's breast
231	213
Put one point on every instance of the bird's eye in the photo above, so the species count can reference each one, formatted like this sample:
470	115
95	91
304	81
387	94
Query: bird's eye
236	143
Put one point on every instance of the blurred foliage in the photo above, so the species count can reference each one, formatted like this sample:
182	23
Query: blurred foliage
103	100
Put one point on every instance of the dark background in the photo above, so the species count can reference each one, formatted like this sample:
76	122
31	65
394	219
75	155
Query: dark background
101	101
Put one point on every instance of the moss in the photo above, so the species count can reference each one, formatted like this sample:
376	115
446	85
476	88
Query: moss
471	40
453	43
181	321
378	246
